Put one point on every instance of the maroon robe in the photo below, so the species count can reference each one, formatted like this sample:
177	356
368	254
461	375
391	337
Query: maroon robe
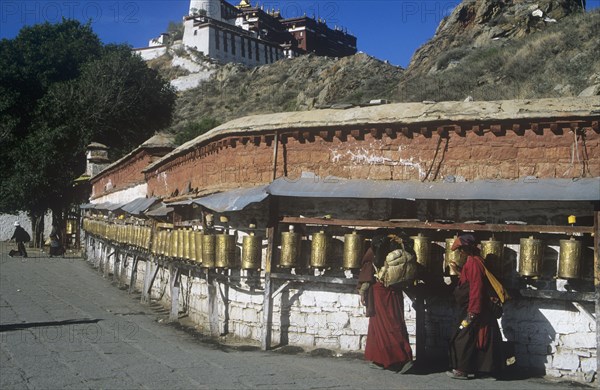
477	347
387	337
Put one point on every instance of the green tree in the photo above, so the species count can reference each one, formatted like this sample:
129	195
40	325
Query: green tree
60	90
194	129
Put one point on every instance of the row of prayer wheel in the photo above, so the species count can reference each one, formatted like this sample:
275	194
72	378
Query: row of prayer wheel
133	235
209	250
530	257
219	250
320	253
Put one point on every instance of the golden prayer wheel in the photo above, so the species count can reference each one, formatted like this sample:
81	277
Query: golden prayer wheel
319	250
169	243
569	261
137	236
181	244
140	240
154	248
492	252
208	250
453	256
198	237
174	244
191	245
225	253
530	257
290	249
130	233
251	252
353	250
146	238
161	242
422	248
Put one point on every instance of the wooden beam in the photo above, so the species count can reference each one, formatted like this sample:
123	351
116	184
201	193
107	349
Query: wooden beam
314	279
390	132
268	299
558	295
441	226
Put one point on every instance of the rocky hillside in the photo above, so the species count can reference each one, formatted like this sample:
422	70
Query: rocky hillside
302	83
484	50
478	24
512	49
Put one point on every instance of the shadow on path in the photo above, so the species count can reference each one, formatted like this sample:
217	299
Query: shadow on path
11	327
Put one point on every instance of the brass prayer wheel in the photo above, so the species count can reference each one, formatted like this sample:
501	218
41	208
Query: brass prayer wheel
251	252
422	248
198	237
453	256
168	243
174	244
492	252
130	234
290	249
183	247
569	261
147	237
162	242
154	247
191	248
225	254
353	250
319	250
530	257
180	244
208	250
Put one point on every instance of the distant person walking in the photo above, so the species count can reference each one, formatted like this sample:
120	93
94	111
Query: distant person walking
56	247
21	237
476	345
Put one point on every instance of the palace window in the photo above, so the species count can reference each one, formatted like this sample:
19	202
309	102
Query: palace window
257	52
217	40
232	43
249	48
225	48
242	46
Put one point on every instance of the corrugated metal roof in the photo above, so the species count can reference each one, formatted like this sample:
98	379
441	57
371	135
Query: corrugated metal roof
162	211
139	205
234	200
532	189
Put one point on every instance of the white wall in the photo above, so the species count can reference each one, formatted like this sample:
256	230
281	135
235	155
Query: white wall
7	227
123	196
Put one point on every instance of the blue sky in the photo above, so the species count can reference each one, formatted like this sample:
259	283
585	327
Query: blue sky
389	30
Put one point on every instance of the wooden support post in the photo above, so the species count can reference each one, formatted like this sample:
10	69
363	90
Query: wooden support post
268	301
213	303
151	272
597	279
174	275
420	325
133	277
106	270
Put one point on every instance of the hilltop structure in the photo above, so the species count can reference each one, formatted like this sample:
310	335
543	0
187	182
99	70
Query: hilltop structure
252	35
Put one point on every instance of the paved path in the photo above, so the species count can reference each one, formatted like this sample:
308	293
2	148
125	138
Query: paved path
62	325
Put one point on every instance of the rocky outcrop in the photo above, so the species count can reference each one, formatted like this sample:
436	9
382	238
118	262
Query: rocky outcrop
301	83
479	23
